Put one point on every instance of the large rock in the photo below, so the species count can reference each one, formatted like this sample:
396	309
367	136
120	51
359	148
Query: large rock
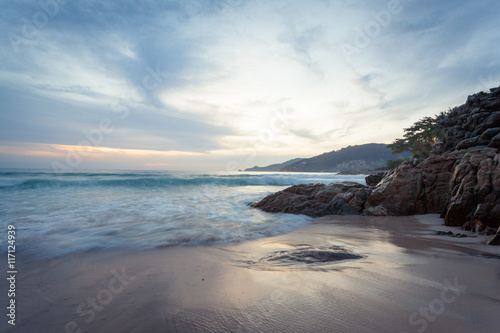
374	179
415	187
346	198
467	143
461	181
490	133
494	217
495	141
494	241
461	185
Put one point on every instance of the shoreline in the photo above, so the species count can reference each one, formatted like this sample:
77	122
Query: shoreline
405	269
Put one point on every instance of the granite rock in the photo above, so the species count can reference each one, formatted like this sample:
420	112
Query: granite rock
461	181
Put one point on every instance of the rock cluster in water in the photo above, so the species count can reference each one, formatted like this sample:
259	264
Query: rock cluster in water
347	198
461	181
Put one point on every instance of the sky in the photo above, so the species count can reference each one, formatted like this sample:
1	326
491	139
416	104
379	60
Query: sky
228	84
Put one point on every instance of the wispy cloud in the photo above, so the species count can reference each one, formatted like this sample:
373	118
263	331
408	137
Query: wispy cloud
224	69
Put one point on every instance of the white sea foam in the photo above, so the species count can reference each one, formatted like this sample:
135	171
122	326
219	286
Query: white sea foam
60	214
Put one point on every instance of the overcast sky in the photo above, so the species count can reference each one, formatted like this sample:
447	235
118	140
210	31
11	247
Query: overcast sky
228	84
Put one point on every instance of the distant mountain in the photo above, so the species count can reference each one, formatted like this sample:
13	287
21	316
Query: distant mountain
275	167
354	159
363	157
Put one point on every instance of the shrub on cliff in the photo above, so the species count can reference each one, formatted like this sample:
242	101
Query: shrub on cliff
392	164
419	138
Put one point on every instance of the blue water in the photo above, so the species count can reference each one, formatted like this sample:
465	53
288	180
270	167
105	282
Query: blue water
60	214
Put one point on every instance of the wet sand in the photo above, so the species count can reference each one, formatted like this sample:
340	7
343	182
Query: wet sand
408	280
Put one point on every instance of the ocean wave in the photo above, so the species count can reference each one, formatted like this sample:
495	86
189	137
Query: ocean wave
142	232
139	181
61	214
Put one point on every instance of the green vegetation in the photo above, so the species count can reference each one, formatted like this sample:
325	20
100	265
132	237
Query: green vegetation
420	138
392	164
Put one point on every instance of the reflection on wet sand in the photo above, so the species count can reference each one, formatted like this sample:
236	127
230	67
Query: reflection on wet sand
310	280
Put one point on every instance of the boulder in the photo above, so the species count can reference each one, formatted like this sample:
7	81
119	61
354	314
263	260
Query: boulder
495	92
495	240
493	120
461	183
315	200
467	143
495	141
482	212
374	179
494	216
490	133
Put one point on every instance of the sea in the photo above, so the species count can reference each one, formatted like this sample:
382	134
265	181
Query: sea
57	214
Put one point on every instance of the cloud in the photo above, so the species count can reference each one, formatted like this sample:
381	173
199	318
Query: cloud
219	72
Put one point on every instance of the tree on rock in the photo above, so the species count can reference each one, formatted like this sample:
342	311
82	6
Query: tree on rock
421	137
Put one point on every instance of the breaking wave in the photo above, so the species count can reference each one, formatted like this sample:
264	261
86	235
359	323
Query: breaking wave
138	180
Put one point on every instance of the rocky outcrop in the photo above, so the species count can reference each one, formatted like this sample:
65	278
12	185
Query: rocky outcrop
347	198
461	181
495	240
462	185
374	179
476	123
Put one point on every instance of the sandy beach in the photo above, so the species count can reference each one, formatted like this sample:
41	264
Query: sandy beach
408	280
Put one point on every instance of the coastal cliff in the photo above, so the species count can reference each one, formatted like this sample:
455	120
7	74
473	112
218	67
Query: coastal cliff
460	181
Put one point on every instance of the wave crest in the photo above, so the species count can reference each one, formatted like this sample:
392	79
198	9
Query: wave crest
136	181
